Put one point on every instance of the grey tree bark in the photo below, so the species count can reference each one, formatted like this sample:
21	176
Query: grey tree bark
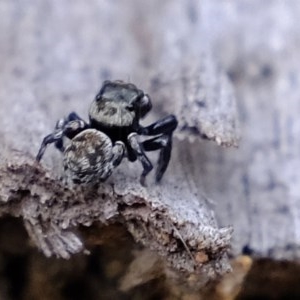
53	55
257	186
53	59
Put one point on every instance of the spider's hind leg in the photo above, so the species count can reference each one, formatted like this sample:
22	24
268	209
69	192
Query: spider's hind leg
164	128
163	142
141	156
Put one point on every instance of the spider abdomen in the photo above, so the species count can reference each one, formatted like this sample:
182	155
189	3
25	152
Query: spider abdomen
88	157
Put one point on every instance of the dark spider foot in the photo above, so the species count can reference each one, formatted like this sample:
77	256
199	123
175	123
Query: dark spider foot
51	138
143	181
163	162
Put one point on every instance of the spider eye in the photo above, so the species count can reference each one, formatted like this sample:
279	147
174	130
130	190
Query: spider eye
145	105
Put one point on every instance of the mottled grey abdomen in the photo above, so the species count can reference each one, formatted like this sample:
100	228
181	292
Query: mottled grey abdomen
88	157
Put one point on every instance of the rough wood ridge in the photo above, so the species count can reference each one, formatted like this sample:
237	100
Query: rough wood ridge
51	213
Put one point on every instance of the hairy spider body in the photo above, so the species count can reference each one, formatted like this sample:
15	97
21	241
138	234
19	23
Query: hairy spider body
91	155
116	111
98	147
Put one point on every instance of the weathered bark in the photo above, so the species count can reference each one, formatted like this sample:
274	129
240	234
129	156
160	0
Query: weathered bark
52	56
256	188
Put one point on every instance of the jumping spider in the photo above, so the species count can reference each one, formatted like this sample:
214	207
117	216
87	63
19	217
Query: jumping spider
99	146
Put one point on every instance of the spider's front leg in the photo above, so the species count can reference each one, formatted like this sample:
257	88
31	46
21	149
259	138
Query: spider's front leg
69	129
164	128
60	125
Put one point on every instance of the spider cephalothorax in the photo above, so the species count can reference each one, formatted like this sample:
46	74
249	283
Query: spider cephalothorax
119	104
99	146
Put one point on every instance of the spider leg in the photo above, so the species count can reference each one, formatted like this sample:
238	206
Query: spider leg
70	129
164	126
163	142
118	153
61	123
139	152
